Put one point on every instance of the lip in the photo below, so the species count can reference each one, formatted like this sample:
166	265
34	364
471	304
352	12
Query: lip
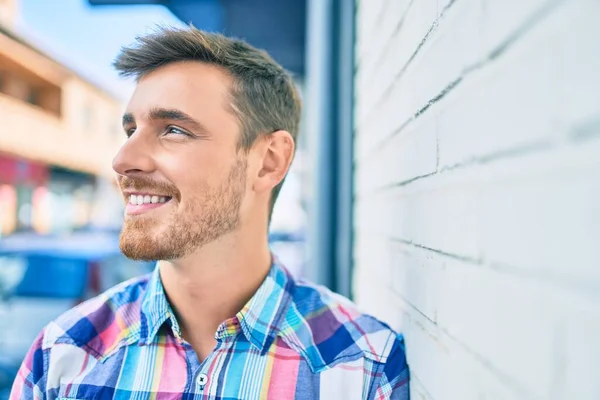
136	209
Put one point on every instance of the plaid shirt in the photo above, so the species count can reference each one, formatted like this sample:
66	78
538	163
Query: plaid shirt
293	340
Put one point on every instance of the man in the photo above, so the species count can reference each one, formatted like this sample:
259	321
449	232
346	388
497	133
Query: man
211	133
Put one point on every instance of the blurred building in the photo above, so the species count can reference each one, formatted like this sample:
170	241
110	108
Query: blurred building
58	133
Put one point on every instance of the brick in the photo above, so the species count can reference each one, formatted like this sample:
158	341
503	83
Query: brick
502	18
578	65
455	44
494	211
382	37
431	360
507	104
366	26
548	225
374	297
417	390
541	215
445	368
419	19
444	218
372	215
410	154
387	119
508	321
580	365
416	277
373	252
394	13
535	212
547	66
441	4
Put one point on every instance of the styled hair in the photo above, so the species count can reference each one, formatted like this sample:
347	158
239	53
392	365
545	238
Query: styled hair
263	95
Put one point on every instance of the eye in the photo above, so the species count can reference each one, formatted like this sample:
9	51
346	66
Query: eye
129	132
173	130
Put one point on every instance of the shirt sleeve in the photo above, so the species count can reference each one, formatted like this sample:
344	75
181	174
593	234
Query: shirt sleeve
30	382
394	382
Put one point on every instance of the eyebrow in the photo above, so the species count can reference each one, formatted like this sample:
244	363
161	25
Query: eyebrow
172	114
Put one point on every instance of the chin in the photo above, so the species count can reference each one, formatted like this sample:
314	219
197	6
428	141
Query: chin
138	250
141	251
140	243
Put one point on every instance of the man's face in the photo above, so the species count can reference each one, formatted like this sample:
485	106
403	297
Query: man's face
181	174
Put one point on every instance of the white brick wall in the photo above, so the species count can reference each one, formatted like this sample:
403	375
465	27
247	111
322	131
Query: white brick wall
477	195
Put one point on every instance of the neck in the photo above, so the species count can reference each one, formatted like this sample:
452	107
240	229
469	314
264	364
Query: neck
214	283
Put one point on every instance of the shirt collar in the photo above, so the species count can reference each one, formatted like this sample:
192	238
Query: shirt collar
156	310
259	320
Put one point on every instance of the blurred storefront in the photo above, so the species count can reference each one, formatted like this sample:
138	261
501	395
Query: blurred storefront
19	180
59	133
20	185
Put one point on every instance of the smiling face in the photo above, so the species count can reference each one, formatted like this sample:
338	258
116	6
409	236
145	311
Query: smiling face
181	172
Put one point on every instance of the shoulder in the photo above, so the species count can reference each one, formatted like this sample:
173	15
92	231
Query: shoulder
102	323
328	329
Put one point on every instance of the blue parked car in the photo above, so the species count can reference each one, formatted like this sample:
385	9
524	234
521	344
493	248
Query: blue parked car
41	277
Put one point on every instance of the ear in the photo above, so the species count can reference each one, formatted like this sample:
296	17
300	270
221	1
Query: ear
277	155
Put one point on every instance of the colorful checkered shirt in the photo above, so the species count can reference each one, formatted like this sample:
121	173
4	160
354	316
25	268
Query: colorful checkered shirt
293	340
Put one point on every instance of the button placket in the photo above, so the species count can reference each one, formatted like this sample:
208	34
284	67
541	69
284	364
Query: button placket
201	377
201	380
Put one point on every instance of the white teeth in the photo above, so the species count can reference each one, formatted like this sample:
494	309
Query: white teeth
146	199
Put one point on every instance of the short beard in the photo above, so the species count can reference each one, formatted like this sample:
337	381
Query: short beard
205	219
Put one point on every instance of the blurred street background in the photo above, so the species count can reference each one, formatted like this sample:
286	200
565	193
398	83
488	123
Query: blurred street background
447	177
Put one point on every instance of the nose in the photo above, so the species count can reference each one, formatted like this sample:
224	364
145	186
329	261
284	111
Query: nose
135	156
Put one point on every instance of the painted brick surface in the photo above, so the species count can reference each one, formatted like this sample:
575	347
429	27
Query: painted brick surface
477	192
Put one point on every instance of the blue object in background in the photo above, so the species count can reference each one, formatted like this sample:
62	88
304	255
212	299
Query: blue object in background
54	277
7	376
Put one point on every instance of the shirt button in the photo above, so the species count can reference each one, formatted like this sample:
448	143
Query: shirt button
201	380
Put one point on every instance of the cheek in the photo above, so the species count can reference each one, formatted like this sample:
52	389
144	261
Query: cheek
188	169
201	182
201	168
